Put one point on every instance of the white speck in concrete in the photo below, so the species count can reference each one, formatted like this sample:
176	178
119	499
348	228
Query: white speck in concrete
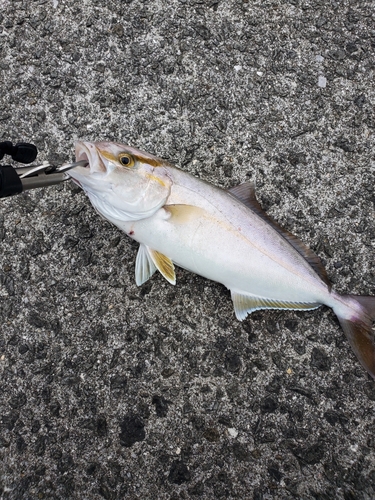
319	58
260	73
238	67
322	82
232	432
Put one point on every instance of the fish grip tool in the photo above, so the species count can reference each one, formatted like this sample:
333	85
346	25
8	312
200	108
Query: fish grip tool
14	180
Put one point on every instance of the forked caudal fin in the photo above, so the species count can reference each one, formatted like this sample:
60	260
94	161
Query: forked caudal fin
358	331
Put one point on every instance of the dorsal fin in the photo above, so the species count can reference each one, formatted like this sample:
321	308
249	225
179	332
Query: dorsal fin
246	193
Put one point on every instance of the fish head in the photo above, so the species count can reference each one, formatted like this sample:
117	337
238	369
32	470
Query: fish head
122	182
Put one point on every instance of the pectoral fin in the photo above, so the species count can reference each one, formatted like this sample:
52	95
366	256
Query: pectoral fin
181	214
246	304
148	261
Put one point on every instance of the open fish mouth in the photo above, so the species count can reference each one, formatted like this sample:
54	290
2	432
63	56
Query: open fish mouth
93	177
88	151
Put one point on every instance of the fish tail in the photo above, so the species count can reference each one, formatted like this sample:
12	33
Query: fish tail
356	322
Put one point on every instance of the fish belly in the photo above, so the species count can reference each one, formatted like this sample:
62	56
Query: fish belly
213	248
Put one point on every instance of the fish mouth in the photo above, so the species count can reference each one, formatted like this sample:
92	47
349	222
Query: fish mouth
95	169
88	151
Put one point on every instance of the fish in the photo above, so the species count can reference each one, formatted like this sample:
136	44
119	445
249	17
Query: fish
222	235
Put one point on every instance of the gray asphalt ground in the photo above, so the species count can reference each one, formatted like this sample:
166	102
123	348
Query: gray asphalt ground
117	392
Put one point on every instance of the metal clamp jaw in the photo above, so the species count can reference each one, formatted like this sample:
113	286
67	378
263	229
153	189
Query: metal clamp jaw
46	174
16	180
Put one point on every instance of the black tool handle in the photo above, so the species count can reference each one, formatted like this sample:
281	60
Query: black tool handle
23	152
10	183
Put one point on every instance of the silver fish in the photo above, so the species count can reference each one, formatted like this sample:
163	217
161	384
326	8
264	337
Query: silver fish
223	235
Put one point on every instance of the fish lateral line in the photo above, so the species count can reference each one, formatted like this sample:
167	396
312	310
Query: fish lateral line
229	225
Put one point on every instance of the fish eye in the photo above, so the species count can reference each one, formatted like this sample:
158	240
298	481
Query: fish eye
126	160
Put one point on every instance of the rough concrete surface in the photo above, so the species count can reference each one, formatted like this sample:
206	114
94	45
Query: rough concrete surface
113	391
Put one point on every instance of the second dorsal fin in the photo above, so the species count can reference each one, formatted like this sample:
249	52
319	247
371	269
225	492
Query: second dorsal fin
246	193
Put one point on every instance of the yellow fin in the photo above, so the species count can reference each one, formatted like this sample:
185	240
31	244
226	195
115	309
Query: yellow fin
180	214
246	304
164	265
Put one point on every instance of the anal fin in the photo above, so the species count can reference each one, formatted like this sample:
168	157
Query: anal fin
246	304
